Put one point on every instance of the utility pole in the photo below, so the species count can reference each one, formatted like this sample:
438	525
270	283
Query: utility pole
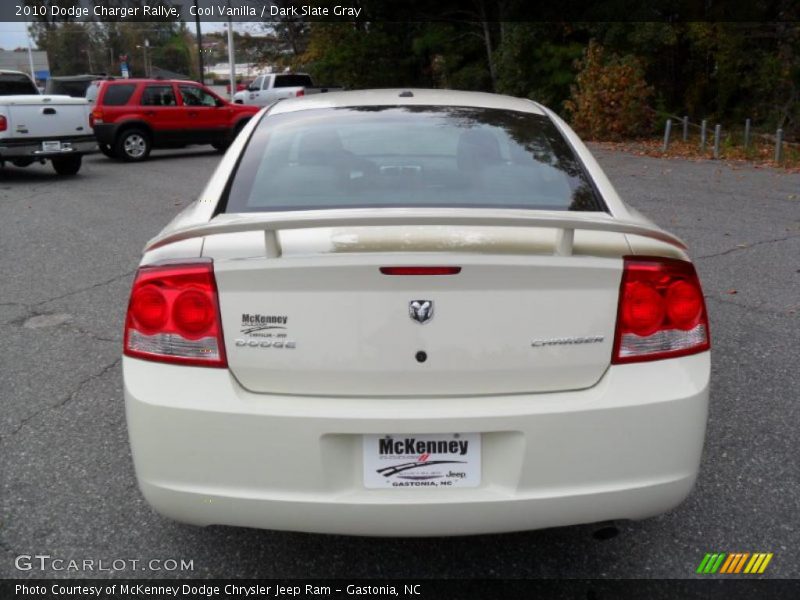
231	56
30	52
144	48
199	45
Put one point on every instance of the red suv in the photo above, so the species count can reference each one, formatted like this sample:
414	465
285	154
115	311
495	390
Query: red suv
133	116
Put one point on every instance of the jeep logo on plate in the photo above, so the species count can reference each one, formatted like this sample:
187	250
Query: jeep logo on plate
421	310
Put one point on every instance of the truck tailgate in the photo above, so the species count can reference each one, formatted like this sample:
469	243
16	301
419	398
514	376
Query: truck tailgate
47	117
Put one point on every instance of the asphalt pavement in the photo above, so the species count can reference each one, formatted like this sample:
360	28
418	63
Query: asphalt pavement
68	251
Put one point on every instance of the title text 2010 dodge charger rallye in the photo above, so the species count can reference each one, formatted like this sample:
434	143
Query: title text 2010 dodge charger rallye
414	312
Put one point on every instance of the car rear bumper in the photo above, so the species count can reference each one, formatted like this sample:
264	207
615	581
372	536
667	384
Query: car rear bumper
10	149
208	451
105	132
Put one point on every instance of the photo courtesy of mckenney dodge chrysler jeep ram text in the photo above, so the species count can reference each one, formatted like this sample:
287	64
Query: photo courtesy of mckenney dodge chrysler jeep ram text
413	313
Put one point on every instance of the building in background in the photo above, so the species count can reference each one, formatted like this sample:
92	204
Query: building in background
17	60
222	71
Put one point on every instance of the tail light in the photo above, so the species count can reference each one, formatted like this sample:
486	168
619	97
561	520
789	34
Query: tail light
661	311
96	116
300	93
420	270
3	123
173	316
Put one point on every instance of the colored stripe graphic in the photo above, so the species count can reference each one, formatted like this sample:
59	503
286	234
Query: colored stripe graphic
764	564
710	563
734	563
740	564
703	563
727	564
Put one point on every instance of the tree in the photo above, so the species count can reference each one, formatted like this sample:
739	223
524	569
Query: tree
610	97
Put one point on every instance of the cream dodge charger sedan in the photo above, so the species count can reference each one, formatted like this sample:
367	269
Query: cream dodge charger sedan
412	313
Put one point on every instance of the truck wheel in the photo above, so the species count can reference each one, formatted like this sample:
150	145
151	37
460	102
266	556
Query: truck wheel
107	150
132	145
69	165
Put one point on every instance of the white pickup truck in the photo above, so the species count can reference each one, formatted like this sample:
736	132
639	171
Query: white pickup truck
36	127
268	89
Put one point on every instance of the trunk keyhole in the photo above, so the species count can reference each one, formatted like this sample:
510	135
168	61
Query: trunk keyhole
421	356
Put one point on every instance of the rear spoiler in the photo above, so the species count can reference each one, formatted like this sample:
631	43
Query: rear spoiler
272	222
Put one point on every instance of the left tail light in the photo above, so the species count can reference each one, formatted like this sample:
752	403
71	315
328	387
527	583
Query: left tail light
173	316
300	93
661	313
3	123
96	116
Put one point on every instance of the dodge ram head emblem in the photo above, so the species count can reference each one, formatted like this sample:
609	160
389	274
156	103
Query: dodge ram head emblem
421	310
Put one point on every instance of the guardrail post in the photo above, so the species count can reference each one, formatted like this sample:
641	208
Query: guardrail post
747	134
779	145
667	130
685	128
703	126
717	132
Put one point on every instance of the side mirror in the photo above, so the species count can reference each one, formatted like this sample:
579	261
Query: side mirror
252	88
220	102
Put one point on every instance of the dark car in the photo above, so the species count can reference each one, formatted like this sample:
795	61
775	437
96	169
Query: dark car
133	116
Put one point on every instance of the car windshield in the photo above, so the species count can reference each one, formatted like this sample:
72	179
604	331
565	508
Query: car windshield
437	156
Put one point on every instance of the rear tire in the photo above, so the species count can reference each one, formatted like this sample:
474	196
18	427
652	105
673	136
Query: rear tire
69	165
107	150
133	145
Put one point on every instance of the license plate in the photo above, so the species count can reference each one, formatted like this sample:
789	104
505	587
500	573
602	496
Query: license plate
402	461
51	146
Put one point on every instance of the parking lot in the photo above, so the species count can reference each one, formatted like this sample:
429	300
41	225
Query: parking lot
68	251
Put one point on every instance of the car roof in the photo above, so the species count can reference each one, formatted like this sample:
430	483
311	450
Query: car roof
407	97
149	80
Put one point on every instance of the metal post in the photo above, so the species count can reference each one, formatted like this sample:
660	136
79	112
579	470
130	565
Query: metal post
703	125
747	134
199	44
231	55
717	132
667	131
685	128
779	145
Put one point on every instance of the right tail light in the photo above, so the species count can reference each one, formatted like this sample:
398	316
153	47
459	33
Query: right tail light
661	313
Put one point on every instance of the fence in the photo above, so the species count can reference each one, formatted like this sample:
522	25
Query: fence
748	137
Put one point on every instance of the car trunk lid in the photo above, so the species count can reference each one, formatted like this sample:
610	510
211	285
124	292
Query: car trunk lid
324	320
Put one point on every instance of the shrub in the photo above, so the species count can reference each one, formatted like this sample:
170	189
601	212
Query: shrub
610	98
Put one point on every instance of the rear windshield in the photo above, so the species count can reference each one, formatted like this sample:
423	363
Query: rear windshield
91	92
435	156
76	89
292	81
12	84
119	94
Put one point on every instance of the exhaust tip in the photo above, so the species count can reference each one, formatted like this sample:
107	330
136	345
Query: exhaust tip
606	532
